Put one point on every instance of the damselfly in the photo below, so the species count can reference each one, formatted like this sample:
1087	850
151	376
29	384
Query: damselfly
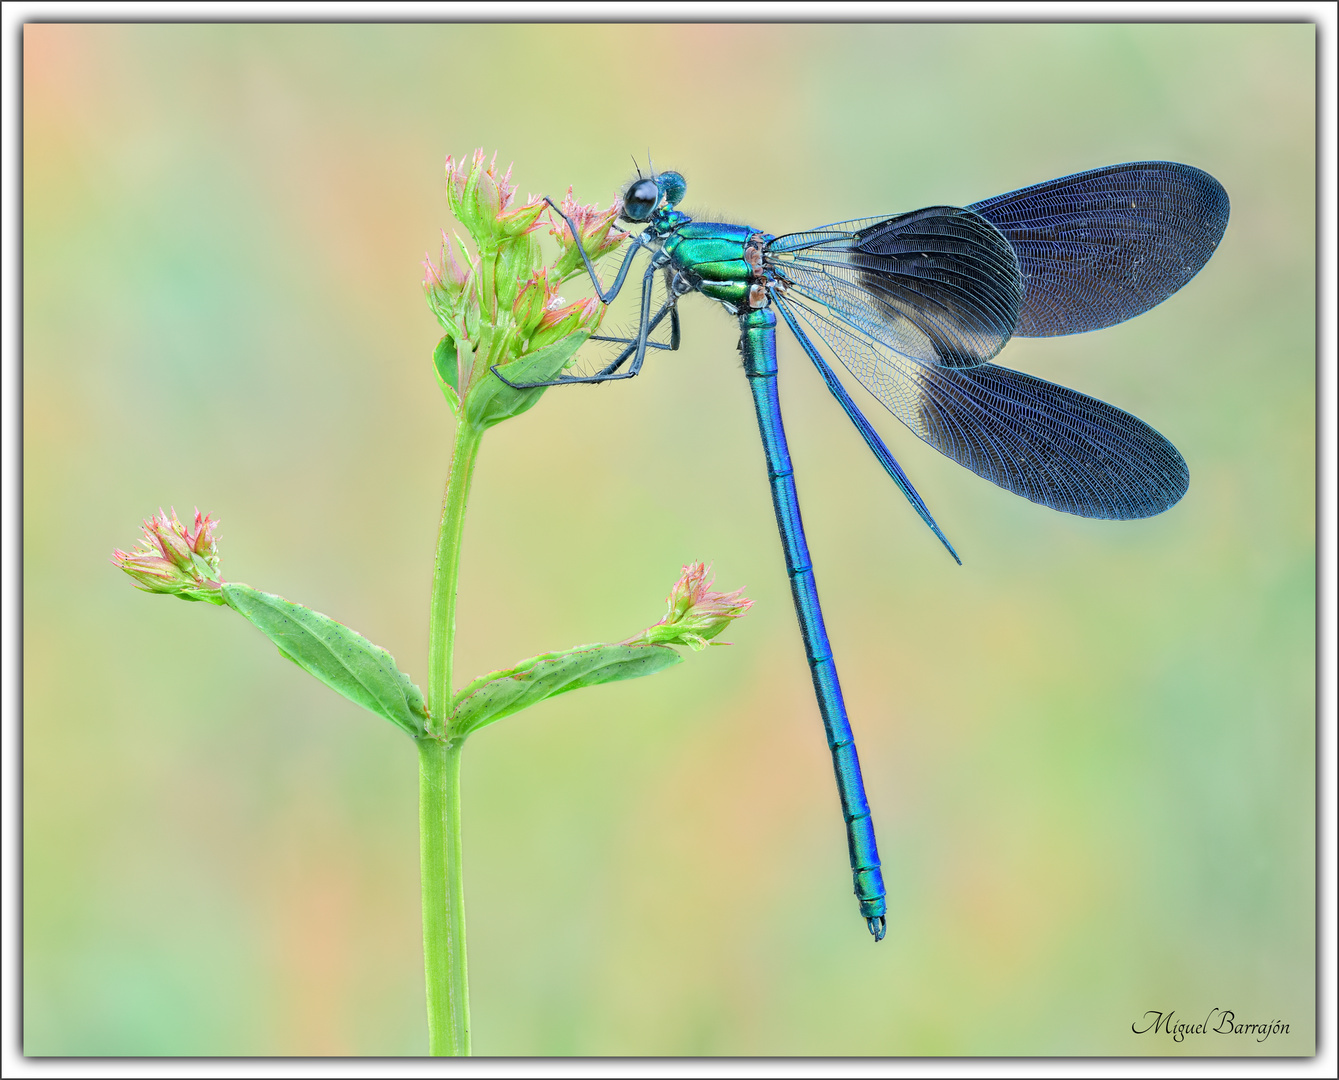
916	307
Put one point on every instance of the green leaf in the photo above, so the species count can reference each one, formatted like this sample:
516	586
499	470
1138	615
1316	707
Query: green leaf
447	371
491	400
444	360
341	658
501	693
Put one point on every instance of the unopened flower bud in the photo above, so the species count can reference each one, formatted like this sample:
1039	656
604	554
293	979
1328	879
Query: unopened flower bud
594	233
523	219
531	303
448	285
558	321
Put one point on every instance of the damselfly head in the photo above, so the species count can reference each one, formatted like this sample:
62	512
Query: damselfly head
643	196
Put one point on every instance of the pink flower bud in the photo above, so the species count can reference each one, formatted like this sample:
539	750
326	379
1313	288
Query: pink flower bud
533	301
448	284
559	320
594	231
456	176
524	219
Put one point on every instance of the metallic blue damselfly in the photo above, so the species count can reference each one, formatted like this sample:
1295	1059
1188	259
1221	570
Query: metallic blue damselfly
916	306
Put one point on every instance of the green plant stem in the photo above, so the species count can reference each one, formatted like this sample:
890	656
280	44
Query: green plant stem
446	572
443	886
440	865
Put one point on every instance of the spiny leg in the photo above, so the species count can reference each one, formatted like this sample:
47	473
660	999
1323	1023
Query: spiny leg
671	307
637	244
636	346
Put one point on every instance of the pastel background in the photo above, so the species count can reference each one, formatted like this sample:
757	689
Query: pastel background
1089	749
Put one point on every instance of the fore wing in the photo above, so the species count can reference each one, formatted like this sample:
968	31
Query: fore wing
1103	246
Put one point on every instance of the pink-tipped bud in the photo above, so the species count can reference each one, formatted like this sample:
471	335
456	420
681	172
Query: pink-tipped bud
523	219
532	302
454	275
594	228
481	201
174	558
560	320
696	614
448	283
456	177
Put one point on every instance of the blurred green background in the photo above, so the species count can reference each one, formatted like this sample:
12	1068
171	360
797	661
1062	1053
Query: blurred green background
1089	749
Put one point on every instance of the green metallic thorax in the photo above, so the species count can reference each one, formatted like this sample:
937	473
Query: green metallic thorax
712	256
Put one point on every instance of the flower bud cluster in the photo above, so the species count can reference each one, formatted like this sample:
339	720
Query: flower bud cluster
502	302
181	560
696	614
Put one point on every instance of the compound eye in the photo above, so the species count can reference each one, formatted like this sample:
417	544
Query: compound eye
640	199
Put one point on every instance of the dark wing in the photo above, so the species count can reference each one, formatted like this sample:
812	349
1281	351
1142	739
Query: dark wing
939	285
1044	442
1100	247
